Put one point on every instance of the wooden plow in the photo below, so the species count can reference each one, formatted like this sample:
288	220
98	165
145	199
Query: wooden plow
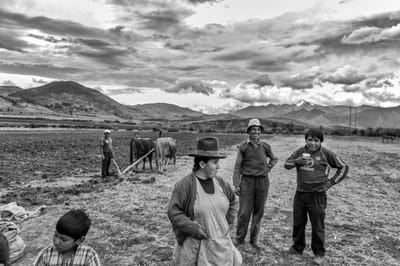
129	167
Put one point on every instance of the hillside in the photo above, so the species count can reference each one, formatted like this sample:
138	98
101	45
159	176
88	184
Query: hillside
166	111
327	116
71	98
6	89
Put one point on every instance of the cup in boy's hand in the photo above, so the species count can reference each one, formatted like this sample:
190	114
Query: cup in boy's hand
306	156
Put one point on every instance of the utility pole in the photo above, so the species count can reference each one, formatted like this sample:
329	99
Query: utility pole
350	117
355	118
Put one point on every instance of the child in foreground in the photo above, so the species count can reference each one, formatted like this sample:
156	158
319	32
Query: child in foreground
312	163
4	251
67	247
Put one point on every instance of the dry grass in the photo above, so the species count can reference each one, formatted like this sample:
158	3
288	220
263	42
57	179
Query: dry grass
130	225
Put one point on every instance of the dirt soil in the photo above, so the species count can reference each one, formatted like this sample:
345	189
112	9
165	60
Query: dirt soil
129	221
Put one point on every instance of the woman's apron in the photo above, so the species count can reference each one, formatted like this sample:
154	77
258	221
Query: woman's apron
210	211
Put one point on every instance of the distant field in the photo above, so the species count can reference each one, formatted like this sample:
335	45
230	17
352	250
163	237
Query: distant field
30	154
130	226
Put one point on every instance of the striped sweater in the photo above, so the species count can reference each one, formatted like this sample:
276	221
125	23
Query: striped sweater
312	177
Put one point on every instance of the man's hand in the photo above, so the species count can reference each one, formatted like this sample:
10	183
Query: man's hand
237	190
301	161
327	185
200	234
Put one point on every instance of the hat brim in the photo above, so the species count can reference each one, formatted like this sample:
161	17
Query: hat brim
208	155
261	127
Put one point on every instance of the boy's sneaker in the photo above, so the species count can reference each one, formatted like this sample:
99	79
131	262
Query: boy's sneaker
318	259
292	251
255	245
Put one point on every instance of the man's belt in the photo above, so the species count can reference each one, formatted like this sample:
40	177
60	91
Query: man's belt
254	176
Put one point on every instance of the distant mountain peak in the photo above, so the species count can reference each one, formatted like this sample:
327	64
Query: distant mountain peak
303	102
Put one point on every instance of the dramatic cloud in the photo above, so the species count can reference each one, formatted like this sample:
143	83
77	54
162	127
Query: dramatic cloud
302	81
233	52
47	38
11	42
8	82
39	81
373	34
262	80
123	91
253	94
94	43
382	95
204	1
37	70
187	86
52	26
346	75
363	35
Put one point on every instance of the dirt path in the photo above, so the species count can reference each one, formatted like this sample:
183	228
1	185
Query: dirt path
130	225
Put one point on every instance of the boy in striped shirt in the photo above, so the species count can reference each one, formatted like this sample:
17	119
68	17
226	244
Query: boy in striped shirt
67	248
312	163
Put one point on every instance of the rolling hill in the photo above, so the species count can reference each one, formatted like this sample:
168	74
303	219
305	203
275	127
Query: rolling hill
166	111
71	99
7	89
363	116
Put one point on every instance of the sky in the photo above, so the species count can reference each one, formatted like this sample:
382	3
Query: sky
213	56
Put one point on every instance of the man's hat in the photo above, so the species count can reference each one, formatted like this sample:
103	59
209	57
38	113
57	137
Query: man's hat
254	122
107	131
208	148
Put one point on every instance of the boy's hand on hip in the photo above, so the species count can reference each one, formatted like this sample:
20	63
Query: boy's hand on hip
327	185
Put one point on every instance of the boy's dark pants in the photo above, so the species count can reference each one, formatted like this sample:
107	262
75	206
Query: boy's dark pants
253	195
105	164
313	204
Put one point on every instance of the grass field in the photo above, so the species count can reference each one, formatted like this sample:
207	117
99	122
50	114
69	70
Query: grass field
130	225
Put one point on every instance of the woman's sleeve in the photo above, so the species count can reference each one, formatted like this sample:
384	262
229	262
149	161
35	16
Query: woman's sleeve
233	204
176	211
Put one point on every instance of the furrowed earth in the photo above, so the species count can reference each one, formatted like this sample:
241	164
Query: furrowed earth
61	170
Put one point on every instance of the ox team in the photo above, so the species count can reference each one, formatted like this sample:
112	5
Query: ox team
254	162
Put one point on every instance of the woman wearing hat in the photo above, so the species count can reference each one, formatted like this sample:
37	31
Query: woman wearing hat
201	209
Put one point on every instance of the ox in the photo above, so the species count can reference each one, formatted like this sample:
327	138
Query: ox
165	149
139	147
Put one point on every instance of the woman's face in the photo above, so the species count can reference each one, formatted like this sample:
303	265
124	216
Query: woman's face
211	168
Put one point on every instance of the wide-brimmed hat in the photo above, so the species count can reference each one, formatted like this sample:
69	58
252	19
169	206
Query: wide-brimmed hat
254	122
208	148
107	131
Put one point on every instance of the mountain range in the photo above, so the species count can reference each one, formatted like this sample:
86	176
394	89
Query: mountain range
69	99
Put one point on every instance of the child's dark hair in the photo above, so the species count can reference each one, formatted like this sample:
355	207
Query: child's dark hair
197	160
4	250
315	133
75	224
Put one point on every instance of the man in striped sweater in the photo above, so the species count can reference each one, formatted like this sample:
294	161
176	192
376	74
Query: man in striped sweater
312	163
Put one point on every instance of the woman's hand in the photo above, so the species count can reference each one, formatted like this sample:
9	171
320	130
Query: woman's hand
237	190
200	234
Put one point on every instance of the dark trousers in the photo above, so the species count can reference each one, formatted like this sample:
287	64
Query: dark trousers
313	204
253	195
105	164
